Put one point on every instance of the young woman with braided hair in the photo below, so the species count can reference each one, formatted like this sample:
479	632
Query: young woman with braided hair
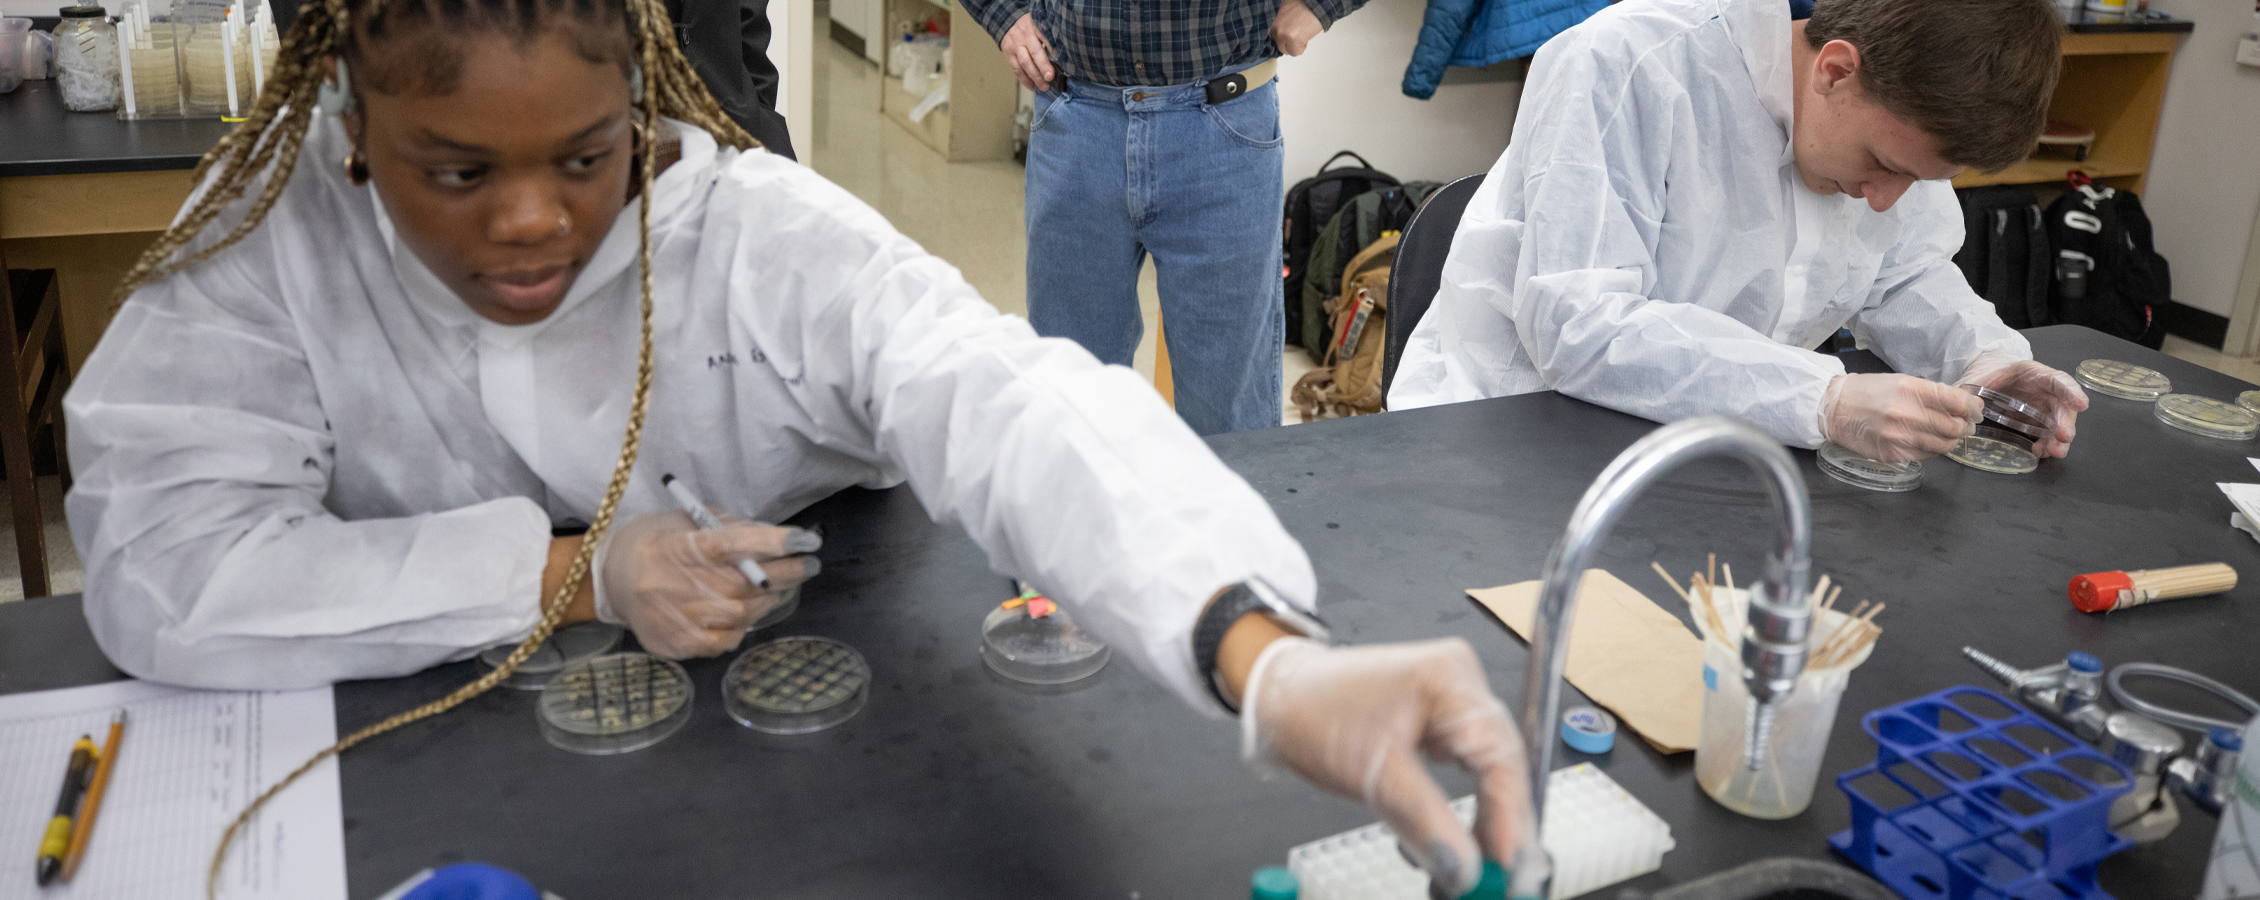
346	402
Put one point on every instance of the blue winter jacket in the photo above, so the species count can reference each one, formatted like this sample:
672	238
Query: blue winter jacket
1483	32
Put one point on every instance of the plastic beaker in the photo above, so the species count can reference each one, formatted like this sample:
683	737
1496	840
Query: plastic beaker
12	32
1782	784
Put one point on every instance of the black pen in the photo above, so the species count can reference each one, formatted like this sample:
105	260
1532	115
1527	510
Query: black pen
58	840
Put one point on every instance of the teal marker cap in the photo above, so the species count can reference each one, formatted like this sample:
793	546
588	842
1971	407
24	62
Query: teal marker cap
1275	883
1493	884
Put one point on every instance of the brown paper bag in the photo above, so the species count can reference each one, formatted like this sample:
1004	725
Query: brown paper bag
1625	652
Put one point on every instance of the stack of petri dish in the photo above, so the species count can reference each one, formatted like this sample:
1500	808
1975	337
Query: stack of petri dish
2123	380
2208	417
2005	438
1861	472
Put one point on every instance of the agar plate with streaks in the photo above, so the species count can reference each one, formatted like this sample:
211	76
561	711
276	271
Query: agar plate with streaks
796	685
1992	454
566	646
1861	472
2209	417
2123	380
615	703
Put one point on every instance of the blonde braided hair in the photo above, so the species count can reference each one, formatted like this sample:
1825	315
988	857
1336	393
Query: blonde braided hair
271	137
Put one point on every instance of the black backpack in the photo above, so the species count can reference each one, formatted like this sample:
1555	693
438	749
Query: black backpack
1310	205
2108	277
2005	253
1361	221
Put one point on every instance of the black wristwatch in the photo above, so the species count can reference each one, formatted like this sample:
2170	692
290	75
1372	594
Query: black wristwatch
1240	600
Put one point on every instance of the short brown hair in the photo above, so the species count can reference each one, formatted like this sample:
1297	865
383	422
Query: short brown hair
1976	74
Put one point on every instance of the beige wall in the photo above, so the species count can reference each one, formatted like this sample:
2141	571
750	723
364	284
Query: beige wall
2205	173
1343	95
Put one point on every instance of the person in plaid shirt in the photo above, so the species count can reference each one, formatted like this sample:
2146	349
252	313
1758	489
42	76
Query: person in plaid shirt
1157	132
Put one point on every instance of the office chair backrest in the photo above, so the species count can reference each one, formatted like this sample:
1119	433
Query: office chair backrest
1420	267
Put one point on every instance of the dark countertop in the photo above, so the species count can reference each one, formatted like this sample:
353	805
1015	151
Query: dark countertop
2088	21
43	138
953	783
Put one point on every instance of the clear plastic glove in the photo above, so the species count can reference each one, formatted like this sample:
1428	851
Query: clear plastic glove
1361	721
679	588
1897	418
2054	392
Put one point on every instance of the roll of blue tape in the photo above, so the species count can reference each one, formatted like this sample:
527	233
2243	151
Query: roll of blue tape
1589	730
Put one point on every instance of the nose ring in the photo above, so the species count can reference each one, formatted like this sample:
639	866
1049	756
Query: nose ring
564	225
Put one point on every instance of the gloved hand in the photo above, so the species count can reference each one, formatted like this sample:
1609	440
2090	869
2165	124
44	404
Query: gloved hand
2054	392
1897	418
1358	721
679	587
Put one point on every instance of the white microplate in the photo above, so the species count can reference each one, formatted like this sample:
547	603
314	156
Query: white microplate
1595	832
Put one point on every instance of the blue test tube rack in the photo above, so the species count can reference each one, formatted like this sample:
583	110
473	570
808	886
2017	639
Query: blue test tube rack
1972	797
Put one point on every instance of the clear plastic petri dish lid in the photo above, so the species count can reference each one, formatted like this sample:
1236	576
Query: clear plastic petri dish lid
566	646
796	685
2123	380
1992	454
1861	472
2013	414
783	611
2209	417
2249	400
615	703
1031	639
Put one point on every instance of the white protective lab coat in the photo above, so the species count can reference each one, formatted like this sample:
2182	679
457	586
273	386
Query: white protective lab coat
306	460
1645	243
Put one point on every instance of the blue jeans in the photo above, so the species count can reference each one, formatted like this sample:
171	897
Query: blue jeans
1117	173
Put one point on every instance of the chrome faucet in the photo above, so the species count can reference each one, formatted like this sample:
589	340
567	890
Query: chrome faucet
1773	640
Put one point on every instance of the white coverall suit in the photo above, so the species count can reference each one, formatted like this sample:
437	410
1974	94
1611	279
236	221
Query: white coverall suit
1646	244
306	460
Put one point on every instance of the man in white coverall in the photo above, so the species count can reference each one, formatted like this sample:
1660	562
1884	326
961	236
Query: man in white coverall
1699	191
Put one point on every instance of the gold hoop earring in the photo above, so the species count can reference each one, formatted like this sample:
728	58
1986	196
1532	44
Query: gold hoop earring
356	168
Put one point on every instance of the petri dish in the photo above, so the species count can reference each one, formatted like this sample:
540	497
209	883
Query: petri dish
2123	380
1031	639
1875	475
615	703
2249	400
566	646
796	685
2209	417
783	611
1992	454
2013	414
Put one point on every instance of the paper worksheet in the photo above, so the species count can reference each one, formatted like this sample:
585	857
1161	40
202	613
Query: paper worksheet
190	761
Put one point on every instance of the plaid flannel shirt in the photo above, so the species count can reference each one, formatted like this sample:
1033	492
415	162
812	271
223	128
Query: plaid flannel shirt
1151	42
